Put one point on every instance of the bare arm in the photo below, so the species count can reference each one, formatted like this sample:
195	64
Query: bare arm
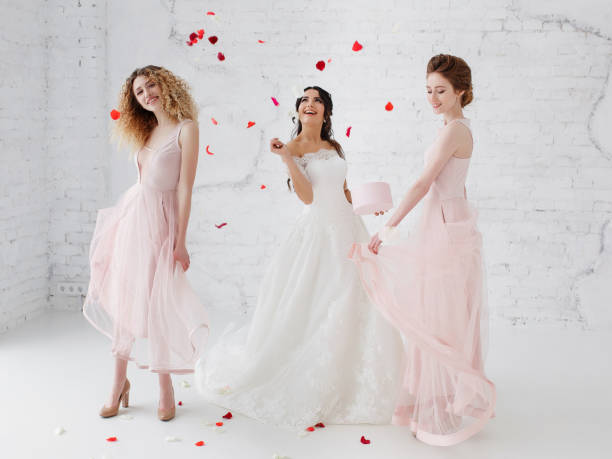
445	147
189	139
301	185
347	193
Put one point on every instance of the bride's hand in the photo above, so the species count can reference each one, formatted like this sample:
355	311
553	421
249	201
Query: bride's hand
181	255
374	244
278	147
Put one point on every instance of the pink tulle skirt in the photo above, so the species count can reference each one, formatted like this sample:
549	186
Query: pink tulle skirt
431	288
137	295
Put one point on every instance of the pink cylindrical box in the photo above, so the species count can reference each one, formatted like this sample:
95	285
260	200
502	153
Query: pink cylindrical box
371	197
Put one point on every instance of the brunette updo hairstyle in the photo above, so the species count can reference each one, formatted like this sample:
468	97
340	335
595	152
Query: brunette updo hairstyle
456	71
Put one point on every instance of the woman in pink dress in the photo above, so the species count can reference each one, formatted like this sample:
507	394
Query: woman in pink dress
431	286
138	294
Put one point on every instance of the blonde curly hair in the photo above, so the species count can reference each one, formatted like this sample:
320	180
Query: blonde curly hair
135	123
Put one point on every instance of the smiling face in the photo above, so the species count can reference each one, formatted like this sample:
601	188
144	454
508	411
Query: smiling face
441	94
147	93
311	110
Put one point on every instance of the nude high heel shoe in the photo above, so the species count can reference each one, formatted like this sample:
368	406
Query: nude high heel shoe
167	415
124	398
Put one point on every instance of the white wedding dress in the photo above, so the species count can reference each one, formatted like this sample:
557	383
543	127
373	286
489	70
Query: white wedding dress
317	350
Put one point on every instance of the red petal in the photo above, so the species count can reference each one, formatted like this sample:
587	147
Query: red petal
214	121
321	65
111	439
364	440
221	57
250	124
310	429
320	425
210	13
219	424
389	106
357	46
213	39
190	43
329	60
221	225
260	41
180	403
263	187
348	131
195	40
201	33
114	114
208	149
200	443
274	101
193	36
227	415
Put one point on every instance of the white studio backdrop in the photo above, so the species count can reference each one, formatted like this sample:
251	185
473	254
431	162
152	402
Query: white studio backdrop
541	171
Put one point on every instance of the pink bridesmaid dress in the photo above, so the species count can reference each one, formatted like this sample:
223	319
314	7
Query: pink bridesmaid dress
138	296
431	288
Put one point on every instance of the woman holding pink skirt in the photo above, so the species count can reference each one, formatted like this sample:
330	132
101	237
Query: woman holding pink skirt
138	293
431	287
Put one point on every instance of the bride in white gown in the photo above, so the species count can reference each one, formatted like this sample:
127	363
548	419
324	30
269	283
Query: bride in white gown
317	350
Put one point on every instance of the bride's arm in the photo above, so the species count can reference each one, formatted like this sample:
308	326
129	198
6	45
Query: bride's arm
301	185
347	193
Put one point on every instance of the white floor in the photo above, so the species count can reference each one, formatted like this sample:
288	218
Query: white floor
554	401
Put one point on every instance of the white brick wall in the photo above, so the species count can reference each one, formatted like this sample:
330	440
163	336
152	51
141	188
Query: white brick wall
541	169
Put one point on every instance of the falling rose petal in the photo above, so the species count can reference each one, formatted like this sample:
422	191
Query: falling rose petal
189	43
221	56
199	443
260	41
389	106
329	60
210	13
364	440
213	39
357	46
180	403
208	149
185	384
320	65
250	124
195	40
214	121
111	439
320	425
228	415
114	114
172	439
201	34
348	131
59	430
218	424
274	101
221	225
263	187
193	36
310	429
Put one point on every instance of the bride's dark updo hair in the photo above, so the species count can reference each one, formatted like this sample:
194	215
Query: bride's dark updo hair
456	71
326	129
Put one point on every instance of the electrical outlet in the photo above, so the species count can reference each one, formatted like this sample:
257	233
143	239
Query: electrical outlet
70	289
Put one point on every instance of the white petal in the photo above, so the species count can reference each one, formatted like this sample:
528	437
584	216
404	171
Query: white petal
59	430
126	417
170	438
185	384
